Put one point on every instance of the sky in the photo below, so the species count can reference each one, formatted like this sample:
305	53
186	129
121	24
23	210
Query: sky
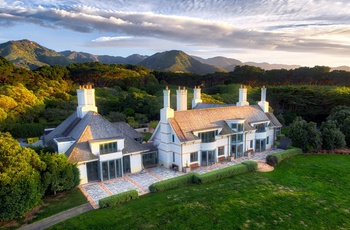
302	32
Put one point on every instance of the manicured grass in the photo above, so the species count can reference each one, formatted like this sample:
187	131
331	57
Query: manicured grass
303	192
61	202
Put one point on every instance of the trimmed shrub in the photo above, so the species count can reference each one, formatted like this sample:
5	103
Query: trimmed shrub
118	198
251	165
221	174
275	158
172	183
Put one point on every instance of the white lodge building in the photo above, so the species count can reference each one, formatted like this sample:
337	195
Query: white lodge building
207	134
102	150
211	133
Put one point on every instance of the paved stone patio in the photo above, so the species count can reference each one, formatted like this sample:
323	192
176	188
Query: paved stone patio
141	181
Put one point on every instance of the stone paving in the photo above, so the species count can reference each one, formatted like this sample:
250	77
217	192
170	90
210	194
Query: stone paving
164	173
95	191
120	185
141	181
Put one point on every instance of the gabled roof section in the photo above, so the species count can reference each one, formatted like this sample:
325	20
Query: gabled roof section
59	131
275	122
127	130
92	127
184	122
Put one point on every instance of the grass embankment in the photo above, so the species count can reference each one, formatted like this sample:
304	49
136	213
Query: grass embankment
59	203
303	192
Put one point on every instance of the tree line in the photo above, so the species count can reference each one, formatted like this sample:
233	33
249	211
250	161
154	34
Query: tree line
26	175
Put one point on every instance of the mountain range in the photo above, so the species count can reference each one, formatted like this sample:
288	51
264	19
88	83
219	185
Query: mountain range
31	55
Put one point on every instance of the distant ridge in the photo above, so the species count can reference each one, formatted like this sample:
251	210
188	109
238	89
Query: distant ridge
81	57
178	61
31	55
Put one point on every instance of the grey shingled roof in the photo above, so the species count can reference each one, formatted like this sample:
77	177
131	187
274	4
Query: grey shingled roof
127	130
185	122
275	122
92	127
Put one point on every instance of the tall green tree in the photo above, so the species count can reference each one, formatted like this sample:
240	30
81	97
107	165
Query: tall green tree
20	181
332	137
60	175
304	135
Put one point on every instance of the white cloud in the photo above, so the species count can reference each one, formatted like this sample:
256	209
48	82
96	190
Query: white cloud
319	27
108	39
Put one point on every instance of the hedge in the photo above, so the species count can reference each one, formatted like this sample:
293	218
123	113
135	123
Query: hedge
172	183
275	158
221	173
118	198
251	165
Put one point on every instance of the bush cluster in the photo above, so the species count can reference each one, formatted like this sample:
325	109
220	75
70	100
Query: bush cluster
251	165
172	183
275	158
118	198
222	173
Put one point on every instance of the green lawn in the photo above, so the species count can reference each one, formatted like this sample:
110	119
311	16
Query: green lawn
304	192
56	204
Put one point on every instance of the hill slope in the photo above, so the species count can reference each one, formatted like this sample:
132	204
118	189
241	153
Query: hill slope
31	55
82	57
178	61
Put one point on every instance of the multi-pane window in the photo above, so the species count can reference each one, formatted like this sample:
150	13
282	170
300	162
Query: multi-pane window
207	136
238	127
221	151
194	157
237	138
108	148
260	127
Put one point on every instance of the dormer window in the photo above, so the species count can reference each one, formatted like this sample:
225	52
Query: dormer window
106	148
260	127
238	127
208	136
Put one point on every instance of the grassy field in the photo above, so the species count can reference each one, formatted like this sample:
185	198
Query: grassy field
61	202
304	192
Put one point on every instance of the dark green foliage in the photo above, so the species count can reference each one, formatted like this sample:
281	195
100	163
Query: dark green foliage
341	116
251	165
332	137
221	174
60	175
118	198
172	183
304	135
276	158
20	183
18	130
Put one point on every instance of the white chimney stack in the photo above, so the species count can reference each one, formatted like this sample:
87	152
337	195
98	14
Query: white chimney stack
242	96
264	105
166	112
196	96
181	99
86	100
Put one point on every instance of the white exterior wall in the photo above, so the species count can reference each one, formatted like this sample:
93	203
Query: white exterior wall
62	147
135	163
95	148
249	137
83	173
270	134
